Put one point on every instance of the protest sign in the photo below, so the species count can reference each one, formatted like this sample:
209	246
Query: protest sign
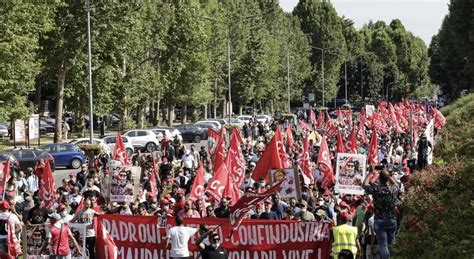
33	127
20	131
139	237
369	109
288	188
124	183
350	171
79	232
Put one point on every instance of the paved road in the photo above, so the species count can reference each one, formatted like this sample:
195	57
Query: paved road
62	173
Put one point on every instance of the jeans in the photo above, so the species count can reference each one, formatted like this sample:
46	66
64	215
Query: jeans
385	230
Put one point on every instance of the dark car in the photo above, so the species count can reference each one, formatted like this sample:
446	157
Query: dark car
192	133
64	154
28	157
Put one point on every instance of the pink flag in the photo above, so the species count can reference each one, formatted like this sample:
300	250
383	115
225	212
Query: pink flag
6	176
303	127
330	127
231	190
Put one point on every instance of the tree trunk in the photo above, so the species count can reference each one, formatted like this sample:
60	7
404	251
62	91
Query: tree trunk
140	109
205	111
240	109
59	104
170	115
156	119
184	114
224	108
37	102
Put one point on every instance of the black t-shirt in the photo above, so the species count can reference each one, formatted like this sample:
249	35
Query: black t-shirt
37	215
210	252
222	212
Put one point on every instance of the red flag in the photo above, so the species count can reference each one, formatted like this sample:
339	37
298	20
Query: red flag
330	127
248	201
289	137
439	119
6	175
231	191
47	190
339	145
120	154
303	127
14	246
219	156
153	176
216	185
324	163
351	142
303	162
212	140
197	189
285	161
270	159
344	117
320	120
80	206
379	122
373	158
235	161
312	118
109	250
361	130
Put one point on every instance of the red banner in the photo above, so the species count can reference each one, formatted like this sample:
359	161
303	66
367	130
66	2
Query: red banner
139	237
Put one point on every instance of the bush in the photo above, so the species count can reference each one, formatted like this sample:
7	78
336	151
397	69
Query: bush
439	206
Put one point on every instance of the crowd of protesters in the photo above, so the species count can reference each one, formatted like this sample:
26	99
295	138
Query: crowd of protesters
363	225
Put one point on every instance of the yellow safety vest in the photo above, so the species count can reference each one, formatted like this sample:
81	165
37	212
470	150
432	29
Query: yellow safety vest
345	237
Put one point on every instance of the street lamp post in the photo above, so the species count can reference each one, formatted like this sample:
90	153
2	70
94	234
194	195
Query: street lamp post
228	24
362	80
322	64
89	53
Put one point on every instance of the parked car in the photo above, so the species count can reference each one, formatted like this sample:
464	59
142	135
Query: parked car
192	133
204	125
81	141
169	133
46	127
263	118
216	123
245	118
111	140
28	157
143	139
65	154
234	121
3	131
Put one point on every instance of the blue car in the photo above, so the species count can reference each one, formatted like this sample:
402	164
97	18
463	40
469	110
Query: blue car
68	155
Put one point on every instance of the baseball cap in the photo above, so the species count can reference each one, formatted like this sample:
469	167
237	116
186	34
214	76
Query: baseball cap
4	205
55	216
346	216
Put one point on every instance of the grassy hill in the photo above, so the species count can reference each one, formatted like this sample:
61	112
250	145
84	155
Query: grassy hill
439	202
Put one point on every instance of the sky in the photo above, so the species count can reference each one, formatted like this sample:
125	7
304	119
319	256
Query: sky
422	17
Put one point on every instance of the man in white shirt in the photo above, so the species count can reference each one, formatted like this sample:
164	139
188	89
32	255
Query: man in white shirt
32	181
187	161
179	237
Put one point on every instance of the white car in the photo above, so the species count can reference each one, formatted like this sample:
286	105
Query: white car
245	118
3	131
99	141
263	118
170	134
235	121
143	139
111	140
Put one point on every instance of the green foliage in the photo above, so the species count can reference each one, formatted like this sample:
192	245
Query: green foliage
451	51
438	207
20	30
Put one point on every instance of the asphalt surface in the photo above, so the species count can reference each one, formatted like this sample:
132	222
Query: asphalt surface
62	173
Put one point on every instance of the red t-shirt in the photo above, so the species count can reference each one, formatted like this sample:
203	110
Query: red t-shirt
63	239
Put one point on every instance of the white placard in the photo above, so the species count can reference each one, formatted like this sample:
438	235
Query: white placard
350	172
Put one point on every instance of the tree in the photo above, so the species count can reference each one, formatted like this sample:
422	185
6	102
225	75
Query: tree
320	18
20	63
